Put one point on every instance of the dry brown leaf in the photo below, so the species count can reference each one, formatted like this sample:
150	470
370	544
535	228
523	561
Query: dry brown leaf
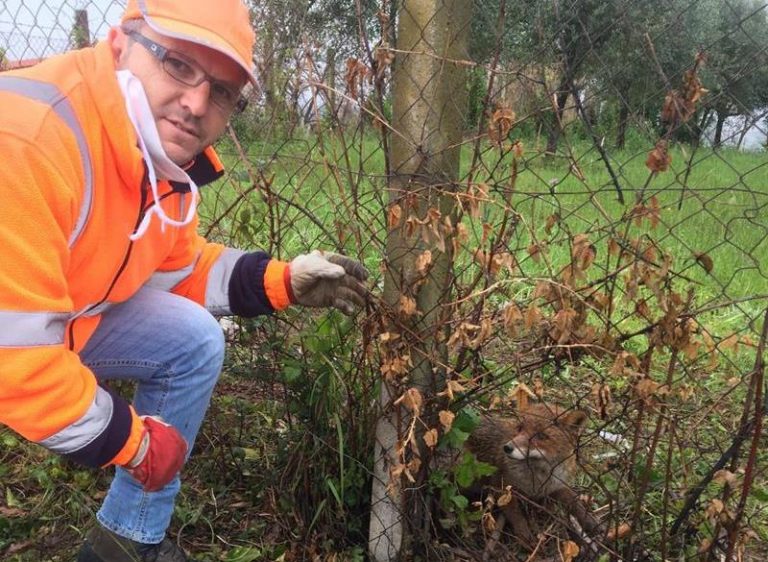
384	58
534	250
726	477
533	317
423	262
715	508
704	546
412	400
430	438
618	532
601	394
659	158
500	124
513	318
356	74
552	220
518	149
646	389
489	523
704	261
446	419
570	551
522	393
387	337
505	497
407	305
451	388
730	343
613	247
395	215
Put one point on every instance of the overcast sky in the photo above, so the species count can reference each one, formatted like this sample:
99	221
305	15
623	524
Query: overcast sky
39	28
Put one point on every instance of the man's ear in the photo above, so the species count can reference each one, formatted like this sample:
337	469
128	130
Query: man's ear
118	43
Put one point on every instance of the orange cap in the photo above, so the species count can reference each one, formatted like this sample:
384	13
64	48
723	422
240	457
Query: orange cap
223	25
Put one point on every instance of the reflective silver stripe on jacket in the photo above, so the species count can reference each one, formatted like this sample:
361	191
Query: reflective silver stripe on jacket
167	280
31	329
217	288
25	329
83	431
49	94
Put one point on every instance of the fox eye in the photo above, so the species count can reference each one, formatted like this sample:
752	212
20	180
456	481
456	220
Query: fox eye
541	436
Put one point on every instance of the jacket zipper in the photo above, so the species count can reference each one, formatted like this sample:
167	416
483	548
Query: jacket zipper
126	257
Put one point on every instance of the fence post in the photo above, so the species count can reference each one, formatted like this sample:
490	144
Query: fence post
81	34
429	105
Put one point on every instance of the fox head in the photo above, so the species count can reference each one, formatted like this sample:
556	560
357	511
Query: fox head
545	432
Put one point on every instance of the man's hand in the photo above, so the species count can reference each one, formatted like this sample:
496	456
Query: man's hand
160	455
324	279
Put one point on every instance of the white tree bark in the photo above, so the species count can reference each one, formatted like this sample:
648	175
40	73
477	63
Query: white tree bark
385	533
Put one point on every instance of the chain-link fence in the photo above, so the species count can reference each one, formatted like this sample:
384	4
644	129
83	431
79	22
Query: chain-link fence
559	201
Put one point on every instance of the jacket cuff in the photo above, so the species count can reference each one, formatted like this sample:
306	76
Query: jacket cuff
247	289
117	439
132	444
277	284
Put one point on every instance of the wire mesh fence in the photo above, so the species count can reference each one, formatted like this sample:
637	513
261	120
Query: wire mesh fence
558	201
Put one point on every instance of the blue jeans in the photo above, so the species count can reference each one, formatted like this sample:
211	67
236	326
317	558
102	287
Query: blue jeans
174	349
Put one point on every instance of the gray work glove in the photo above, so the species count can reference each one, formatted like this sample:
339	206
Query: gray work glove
323	279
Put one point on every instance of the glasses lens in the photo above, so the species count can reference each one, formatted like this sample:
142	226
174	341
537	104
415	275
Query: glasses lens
182	70
223	96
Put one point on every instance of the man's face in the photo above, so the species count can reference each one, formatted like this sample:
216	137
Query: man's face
186	118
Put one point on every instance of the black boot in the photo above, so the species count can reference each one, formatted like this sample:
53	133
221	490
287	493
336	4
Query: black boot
102	545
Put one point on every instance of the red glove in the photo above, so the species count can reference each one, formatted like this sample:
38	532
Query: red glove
160	456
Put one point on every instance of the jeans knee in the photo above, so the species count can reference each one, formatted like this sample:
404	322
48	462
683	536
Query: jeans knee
209	337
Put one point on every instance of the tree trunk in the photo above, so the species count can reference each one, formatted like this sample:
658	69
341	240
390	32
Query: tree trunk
561	97
429	104
623	125
721	117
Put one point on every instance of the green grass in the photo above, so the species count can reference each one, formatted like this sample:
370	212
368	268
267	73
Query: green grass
722	199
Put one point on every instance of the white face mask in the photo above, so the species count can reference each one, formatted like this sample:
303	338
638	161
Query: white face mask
159	166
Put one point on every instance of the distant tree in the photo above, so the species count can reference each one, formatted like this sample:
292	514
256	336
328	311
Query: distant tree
738	62
575	31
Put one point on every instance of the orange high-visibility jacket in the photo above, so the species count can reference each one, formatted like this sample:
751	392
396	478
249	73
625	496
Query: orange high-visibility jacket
72	190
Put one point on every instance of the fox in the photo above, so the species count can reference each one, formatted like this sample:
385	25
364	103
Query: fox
534	451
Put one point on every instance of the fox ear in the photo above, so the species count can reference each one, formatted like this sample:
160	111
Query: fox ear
576	420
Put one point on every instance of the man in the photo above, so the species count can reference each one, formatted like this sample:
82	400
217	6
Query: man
103	274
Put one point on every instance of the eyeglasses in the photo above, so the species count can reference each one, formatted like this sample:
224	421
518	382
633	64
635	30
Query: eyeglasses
189	73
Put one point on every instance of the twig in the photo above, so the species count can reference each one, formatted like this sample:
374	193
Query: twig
596	141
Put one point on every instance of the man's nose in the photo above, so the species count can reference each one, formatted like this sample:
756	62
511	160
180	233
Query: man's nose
197	98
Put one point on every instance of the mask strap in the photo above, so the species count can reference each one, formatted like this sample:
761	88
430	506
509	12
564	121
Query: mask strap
140	115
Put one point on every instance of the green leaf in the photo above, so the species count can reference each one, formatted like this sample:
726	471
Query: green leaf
470	469
243	554
759	493
455	438
460	501
291	373
10	499
467	420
